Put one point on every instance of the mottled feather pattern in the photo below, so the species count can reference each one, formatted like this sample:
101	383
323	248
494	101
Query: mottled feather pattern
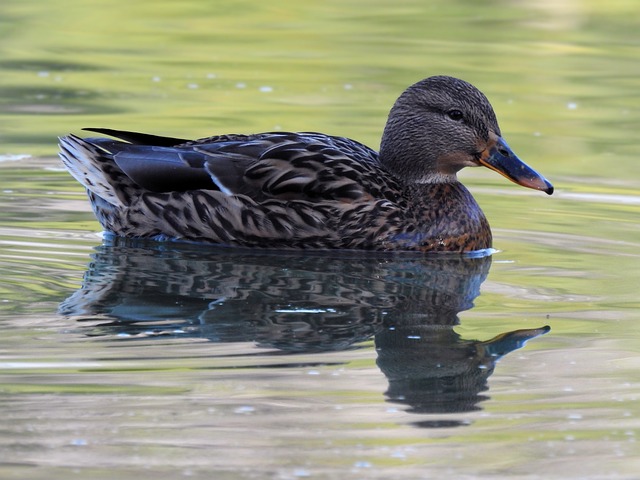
308	190
303	166
296	191
95	171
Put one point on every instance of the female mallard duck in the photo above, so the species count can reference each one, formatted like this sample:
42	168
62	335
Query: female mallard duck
308	190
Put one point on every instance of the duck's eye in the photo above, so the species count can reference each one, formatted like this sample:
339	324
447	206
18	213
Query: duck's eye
455	115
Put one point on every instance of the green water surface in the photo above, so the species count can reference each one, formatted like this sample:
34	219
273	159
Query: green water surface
150	362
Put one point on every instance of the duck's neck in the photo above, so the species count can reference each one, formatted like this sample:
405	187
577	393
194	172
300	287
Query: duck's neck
448	201
448	213
438	178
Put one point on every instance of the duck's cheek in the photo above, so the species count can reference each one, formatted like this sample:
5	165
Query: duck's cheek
452	162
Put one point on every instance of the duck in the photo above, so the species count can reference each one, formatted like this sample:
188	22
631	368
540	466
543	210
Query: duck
307	190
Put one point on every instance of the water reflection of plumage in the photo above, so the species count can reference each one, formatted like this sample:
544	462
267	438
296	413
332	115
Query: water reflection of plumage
305	302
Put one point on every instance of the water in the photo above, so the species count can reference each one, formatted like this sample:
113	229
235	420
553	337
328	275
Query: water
153	360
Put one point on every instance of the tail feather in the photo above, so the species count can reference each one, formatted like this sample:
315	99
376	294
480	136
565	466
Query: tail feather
95	170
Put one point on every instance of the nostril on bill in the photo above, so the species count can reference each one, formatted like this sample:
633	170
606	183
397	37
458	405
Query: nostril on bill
504	152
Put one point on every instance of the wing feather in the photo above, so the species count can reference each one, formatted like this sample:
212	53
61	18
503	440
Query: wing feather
280	166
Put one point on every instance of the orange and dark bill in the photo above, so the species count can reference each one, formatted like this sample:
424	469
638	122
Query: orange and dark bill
501	159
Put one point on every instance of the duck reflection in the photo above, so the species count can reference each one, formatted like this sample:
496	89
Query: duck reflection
305	302
433	370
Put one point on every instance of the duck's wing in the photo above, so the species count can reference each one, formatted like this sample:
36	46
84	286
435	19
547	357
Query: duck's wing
284	166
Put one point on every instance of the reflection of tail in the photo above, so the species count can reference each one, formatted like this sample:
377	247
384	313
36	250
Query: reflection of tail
504	343
95	169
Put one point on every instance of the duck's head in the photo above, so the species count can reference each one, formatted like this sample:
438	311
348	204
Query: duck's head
441	125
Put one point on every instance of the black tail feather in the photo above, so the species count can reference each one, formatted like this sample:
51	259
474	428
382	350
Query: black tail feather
140	138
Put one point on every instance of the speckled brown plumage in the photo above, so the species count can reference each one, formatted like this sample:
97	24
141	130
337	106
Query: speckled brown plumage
308	190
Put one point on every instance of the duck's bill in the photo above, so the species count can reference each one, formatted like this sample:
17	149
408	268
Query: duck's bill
501	159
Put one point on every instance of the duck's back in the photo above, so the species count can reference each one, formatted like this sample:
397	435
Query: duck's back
300	166
274	190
